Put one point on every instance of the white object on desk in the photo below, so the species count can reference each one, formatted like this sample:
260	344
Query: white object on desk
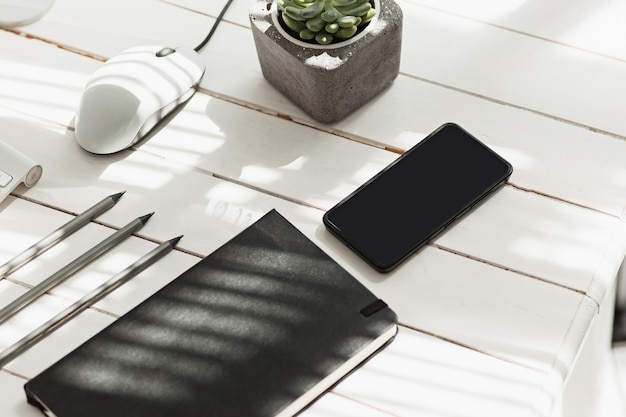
22	12
15	168
132	93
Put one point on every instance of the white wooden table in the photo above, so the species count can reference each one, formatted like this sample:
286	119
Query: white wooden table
506	314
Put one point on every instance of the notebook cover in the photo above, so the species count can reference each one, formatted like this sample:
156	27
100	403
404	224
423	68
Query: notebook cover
245	332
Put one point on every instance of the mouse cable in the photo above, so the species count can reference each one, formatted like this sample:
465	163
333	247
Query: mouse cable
214	27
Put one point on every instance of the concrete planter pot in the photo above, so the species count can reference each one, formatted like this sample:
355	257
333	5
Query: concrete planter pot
329	82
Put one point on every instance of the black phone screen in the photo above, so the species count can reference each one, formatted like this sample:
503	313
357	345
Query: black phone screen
417	196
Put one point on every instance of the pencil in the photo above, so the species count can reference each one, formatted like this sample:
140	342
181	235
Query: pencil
89	299
73	267
59	234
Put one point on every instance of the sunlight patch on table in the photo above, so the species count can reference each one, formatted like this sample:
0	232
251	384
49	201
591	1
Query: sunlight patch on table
618	176
96	273
572	256
229	203
332	405
518	158
422	375
605	27
195	134
29	318
297	164
13	242
230	193
261	175
481	9
133	175
38	90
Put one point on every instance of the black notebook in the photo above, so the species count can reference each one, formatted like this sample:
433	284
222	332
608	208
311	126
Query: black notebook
261	327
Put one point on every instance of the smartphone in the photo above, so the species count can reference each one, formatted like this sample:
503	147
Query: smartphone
417	196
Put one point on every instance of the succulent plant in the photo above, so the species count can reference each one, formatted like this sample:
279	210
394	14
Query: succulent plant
326	21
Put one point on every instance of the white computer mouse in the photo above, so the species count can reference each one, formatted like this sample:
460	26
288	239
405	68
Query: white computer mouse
132	92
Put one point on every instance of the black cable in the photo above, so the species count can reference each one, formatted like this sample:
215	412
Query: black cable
214	27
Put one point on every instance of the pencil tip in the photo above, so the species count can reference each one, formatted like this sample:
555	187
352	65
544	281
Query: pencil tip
175	240
116	197
144	219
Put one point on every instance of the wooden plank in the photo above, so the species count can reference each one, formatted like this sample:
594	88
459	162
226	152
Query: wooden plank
549	156
12	397
564	244
16	221
333	405
280	163
526	73
284	158
31	364
543	151
18	218
451	298
56	345
237	11
38	79
505	66
599	27
137	23
281	160
418	375
216	210
501	313
152	184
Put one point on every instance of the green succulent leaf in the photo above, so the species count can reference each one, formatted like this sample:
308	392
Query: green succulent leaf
326	20
346	33
344	2
331	28
368	16
324	38
293	24
358	9
312	11
294	13
331	15
315	25
347	21
307	35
